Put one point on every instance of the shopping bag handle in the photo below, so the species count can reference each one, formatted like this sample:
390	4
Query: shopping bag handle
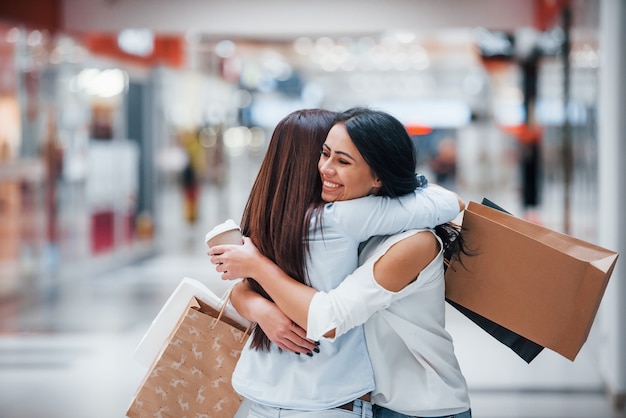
225	300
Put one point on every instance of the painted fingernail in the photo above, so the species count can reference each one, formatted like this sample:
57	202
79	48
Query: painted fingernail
316	342
317	350
309	354
297	353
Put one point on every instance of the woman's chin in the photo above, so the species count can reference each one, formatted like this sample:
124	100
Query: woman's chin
329	197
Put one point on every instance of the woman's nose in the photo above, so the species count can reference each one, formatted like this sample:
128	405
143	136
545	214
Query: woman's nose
326	167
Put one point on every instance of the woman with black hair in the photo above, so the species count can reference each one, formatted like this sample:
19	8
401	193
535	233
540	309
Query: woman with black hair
366	153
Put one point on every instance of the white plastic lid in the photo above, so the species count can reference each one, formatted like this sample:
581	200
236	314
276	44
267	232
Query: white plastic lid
228	225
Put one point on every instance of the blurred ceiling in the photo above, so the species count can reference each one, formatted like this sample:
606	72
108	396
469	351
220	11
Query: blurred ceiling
355	50
445	28
289	19
402	28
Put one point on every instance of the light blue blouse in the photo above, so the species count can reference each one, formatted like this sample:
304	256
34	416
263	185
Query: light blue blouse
341	371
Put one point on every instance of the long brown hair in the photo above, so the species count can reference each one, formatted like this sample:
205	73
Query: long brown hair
278	212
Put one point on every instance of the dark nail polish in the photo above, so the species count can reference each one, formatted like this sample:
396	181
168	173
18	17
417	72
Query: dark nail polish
297	353
309	354
316	342
317	350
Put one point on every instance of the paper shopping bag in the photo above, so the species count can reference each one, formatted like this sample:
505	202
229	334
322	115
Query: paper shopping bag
541	284
172	311
520	345
191	376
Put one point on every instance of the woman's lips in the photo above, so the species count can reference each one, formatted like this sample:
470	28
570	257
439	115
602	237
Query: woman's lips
331	185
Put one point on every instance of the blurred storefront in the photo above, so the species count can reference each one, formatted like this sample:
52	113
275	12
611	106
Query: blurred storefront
23	191
102	121
97	127
89	133
69	171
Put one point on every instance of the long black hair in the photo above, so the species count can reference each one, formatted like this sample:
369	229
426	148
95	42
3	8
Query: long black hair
388	149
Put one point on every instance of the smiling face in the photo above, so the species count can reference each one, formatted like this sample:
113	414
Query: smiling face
345	174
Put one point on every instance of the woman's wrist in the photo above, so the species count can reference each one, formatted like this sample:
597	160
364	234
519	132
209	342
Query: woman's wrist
264	269
247	302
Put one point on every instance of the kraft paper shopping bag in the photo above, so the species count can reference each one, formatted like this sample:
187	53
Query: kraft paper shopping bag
169	316
520	345
191	375
541	284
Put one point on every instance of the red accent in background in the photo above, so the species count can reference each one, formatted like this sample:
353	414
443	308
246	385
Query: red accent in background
524	133
418	129
35	14
547	12
102	231
168	50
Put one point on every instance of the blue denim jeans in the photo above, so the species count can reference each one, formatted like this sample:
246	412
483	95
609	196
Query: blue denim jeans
360	409
381	412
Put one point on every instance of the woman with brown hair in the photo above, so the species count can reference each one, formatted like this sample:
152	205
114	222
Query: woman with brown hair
280	383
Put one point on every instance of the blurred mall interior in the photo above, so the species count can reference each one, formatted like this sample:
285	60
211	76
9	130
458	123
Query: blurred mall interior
128	128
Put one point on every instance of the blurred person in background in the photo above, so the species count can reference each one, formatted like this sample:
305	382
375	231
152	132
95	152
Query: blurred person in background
443	163
191	175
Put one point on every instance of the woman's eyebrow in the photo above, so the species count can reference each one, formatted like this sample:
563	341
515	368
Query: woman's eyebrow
345	154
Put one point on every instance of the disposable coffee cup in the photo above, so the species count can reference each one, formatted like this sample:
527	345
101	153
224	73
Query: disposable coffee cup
224	233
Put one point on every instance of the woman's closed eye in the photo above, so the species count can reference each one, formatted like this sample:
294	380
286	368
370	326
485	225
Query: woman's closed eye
326	155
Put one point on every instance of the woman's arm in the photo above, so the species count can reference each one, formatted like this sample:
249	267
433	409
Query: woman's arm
371	215
281	330
399	266
374	286
425	207
404	260
291	296
458	198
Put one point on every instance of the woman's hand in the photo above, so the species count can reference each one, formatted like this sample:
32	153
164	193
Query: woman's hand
245	261
237	261
283	332
276	325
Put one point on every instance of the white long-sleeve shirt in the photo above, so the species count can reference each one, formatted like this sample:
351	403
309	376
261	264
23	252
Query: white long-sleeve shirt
342	370
415	369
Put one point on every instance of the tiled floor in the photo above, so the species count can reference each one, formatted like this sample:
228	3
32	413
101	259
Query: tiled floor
74	356
66	344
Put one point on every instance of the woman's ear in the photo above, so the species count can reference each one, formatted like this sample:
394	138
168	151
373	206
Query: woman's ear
376	185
